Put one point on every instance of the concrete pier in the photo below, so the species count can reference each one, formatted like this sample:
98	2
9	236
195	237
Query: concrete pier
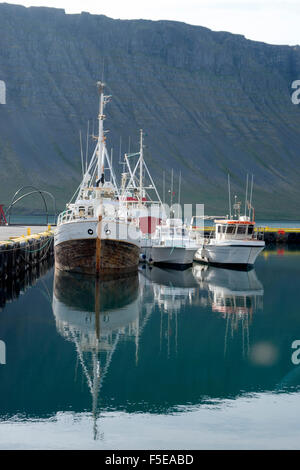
8	232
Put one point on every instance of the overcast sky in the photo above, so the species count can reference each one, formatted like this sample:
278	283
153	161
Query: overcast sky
272	21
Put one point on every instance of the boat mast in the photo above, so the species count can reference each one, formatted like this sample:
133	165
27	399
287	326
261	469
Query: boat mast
246	195
101	117
141	166
229	195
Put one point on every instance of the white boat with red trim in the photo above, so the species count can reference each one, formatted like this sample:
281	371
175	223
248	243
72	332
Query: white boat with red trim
234	243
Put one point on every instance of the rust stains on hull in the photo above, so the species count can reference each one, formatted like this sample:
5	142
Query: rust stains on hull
117	257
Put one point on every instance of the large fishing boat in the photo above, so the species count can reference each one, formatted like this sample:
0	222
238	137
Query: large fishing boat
94	235
140	197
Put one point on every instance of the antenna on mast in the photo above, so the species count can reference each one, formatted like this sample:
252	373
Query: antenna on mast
81	153
87	144
141	165
129	141
250	199
246	195
123	163
103	62
171	195
229	196
111	160
179	188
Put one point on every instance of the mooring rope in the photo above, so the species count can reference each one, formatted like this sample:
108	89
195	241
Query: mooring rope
39	260
14	248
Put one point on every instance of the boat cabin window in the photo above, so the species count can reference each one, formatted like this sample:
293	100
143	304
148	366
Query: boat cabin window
91	211
250	229
81	211
230	229
221	228
181	232
163	230
241	229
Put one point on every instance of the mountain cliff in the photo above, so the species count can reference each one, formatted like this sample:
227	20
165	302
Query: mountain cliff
211	103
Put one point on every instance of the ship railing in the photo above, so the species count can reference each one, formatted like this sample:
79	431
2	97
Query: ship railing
260	233
209	236
196	236
65	216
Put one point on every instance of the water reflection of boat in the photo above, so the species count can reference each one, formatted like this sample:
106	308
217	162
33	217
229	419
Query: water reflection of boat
94	315
75	302
169	276
233	293
230	291
171	289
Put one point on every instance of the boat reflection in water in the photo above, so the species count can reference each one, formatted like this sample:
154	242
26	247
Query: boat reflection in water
167	340
94	315
235	294
169	291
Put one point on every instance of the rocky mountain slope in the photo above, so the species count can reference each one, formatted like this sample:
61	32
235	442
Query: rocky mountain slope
209	102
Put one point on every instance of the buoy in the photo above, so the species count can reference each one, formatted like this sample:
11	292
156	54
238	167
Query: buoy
28	231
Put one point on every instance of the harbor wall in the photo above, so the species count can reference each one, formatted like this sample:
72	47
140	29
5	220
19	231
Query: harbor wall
19	254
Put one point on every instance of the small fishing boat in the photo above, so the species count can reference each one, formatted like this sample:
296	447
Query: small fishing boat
172	245
94	235
234	241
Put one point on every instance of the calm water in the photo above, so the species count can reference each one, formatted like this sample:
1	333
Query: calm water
195	359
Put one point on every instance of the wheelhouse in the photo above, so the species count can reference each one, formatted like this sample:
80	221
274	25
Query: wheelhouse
173	228
237	229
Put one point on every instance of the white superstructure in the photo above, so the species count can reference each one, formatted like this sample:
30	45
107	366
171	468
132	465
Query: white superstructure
172	245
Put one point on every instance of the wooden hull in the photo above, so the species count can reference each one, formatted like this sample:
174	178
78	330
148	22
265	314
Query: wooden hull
117	258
